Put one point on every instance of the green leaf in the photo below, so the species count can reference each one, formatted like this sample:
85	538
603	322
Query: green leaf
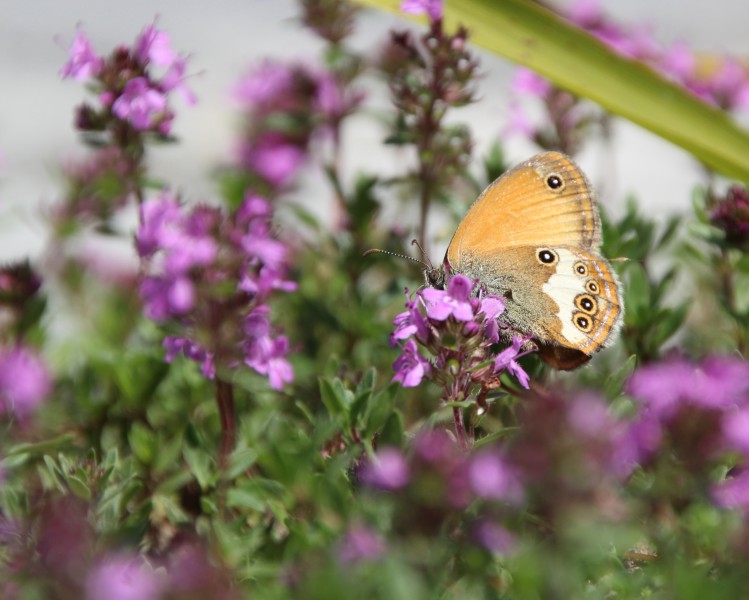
392	432
669	323
142	442
380	408
79	488
239	461
637	293
244	498
531	35
614	382
201	465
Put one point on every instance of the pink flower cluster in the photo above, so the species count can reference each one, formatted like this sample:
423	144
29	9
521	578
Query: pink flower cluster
209	272
133	84
454	480
457	328
700	411
286	105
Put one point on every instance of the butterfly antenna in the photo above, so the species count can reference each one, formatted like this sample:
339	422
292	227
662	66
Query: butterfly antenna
379	251
425	258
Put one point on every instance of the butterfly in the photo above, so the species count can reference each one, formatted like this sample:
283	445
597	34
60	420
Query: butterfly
533	237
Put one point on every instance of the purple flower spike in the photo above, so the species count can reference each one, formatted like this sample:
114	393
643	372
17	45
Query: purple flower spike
84	62
411	367
388	471
140	104
454	302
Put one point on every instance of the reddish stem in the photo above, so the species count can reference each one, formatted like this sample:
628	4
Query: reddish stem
227	415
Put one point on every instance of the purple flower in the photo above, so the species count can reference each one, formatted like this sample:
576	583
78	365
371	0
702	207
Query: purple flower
678	62
433	8
275	159
410	323
84	62
493	537
454	302
736	430
663	388
491	478
122	578
268	357
492	307
174	80
264	84
411	367
360	544
530	83
733	492
387	471
507	360
140	104
178	345
25	381
153	45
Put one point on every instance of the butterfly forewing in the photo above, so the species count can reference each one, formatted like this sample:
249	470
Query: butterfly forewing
523	208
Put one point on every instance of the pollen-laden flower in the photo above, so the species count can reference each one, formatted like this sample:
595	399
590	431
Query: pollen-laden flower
132	85
214	275
458	329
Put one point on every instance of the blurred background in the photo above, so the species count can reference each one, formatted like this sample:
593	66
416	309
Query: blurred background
37	106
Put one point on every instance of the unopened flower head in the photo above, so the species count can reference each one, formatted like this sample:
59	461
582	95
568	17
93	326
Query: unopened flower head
731	215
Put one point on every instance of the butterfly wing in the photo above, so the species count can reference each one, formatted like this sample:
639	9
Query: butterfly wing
533	237
545	201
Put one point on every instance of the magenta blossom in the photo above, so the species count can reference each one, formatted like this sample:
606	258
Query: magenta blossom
208	271
25	381
123	578
387	471
84	63
153	45
275	159
455	302
432	8
411	367
140	104
361	544
493	478
507	360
